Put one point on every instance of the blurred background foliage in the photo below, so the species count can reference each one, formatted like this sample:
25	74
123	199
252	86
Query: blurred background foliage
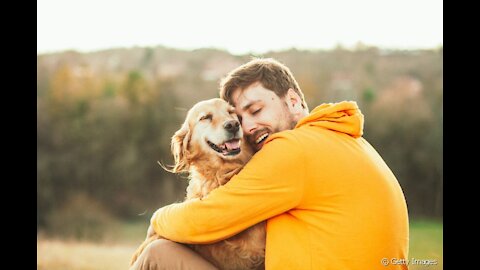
105	118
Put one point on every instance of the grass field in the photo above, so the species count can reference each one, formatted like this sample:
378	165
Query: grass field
426	243
113	253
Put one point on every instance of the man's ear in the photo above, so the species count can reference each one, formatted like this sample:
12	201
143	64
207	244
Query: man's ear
293	99
295	104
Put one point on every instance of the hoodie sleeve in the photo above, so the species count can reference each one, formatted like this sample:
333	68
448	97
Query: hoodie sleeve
270	184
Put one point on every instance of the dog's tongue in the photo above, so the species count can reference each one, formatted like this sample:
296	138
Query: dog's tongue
233	144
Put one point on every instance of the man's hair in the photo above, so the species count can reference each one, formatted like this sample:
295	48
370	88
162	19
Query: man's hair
272	74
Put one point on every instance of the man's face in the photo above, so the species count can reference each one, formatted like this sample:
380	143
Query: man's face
261	113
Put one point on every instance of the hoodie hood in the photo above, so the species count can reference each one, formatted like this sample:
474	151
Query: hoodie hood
342	117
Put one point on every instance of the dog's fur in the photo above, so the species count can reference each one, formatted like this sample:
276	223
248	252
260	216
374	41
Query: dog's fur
214	122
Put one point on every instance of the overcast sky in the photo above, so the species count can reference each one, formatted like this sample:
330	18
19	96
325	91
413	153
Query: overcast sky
238	26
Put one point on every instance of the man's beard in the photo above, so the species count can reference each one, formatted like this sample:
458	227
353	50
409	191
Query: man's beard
289	124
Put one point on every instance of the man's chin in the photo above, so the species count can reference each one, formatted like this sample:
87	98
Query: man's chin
260	145
252	146
256	147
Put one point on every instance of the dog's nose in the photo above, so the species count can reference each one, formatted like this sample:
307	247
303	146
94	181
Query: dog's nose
231	126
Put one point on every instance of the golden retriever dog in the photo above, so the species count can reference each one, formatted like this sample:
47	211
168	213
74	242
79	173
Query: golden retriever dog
210	147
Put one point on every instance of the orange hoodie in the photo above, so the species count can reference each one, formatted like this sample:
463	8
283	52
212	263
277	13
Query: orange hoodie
330	199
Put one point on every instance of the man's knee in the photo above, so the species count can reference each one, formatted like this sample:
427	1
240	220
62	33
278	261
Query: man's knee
159	250
166	254
155	256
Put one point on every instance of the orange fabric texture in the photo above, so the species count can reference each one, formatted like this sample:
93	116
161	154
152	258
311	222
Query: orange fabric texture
330	199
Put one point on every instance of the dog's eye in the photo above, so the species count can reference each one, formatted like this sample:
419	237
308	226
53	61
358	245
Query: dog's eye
206	117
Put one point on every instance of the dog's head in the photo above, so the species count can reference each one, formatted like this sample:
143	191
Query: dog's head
211	131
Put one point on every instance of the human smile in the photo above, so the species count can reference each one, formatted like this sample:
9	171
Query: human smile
261	138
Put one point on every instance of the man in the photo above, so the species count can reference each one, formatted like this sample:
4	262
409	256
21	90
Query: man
329	199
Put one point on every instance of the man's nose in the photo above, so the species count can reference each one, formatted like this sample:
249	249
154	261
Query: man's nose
231	126
248	126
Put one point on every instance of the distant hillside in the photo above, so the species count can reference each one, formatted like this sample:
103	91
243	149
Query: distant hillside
324	76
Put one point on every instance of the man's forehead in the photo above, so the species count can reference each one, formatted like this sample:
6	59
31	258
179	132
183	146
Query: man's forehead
246	97
242	102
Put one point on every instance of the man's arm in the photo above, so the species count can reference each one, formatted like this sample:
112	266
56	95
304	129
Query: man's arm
270	184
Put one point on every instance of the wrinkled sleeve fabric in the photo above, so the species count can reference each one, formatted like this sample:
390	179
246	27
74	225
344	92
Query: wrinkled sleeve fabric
270	184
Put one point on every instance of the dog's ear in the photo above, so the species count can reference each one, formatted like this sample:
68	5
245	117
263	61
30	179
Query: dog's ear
179	145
